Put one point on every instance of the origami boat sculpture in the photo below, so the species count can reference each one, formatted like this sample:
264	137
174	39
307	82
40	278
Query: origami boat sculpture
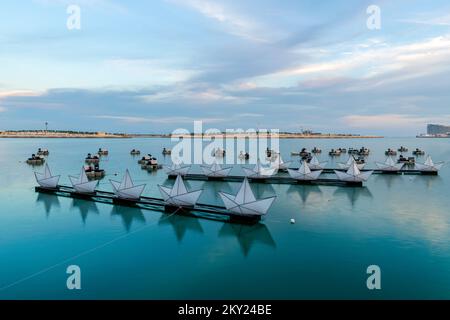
389	165
178	196
244	202
314	164
279	164
46	180
304	173
259	172
349	164
82	184
126	189
353	174
429	166
177	169
215	170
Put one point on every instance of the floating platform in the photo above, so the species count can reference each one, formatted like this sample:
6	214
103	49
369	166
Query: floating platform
400	172
206	211
277	179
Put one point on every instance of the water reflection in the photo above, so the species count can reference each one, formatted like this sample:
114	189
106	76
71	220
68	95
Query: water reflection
353	194
85	207
181	224
428	181
305	192
388	179
49	201
128	215
247	235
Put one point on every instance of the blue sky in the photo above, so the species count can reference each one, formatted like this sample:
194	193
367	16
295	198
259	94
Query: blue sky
153	66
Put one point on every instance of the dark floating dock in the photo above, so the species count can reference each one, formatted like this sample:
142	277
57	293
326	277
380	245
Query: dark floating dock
278	179
400	172
206	211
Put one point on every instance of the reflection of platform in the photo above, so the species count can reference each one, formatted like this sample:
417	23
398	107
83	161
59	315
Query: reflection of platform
247	236
278	179
213	212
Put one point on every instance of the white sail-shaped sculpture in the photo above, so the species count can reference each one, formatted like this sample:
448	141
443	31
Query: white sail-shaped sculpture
259	172
216	170
82	184
126	189
314	164
245	203
304	173
429	165
46	180
349	163
177	169
389	165
178	195
279	164
353	174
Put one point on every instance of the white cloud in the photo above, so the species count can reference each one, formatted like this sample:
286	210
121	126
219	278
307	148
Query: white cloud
391	121
158	120
234	23
3	109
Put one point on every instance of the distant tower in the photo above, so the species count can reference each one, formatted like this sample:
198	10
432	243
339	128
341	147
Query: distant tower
46	126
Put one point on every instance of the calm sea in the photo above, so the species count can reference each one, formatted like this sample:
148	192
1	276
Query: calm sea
400	223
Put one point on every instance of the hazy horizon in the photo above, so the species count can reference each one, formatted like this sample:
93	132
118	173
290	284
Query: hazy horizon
151	67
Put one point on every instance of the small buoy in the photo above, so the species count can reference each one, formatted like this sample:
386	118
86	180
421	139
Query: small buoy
292	221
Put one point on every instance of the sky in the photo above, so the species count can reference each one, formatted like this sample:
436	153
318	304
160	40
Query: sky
155	66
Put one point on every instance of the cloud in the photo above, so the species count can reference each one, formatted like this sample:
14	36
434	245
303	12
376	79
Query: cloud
233	22
20	93
389	121
3	109
432	21
158	120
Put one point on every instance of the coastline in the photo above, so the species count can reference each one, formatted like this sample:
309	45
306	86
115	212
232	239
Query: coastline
168	136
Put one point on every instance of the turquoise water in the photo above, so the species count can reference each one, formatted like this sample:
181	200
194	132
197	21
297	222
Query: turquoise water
401	223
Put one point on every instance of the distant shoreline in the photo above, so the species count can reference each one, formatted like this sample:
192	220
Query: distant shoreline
68	135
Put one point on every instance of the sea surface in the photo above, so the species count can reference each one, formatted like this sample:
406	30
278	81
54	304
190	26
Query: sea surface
399	222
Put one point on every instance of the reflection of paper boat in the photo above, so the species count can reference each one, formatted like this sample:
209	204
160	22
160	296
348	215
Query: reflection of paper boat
177	169
46	180
178	196
245	203
215	170
429	166
304	173
314	164
389	165
82	184
279	164
349	163
353	174
259	172
126	189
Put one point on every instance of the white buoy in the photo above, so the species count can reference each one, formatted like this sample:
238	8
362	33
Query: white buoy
292	221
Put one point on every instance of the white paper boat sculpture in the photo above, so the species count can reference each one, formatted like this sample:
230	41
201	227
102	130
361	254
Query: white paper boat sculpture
244	202
304	173
46	180
279	164
390	165
353	174
314	164
178	196
216	170
126	190
177	169
259	172
349	163
81	184
429	166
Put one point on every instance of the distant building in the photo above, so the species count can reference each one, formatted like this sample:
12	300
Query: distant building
437	129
